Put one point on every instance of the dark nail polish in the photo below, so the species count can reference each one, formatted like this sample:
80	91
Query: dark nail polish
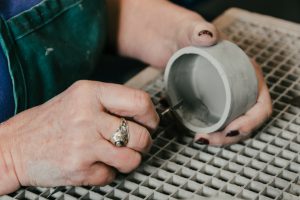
202	141
205	32
296	101
232	133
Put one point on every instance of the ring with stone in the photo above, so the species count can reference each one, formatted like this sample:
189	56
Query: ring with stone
121	136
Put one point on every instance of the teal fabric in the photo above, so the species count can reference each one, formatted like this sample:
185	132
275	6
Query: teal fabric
51	46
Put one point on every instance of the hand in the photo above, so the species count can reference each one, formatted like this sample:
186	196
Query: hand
65	140
242	127
153	30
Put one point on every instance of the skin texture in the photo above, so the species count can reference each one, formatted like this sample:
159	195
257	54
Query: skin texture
65	140
152	31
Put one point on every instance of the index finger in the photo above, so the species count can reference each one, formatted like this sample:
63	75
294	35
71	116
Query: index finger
125	101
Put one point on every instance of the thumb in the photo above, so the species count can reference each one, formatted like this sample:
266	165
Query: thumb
203	34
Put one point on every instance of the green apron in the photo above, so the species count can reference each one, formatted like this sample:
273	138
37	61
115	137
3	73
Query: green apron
51	46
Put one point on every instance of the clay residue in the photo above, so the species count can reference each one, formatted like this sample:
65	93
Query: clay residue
198	114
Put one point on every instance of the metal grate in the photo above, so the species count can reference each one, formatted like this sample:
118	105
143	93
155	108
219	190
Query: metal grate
266	166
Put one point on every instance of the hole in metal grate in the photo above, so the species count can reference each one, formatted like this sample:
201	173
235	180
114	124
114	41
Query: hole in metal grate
160	142
157	196
142	192
248	173
164	155
180	160
77	192
207	192
241	160
239	181
176	180
36	190
201	178
102	190
294	189
270	192
155	162
171	167
232	190
247	195
161	175
167	189
263	178
173	147
233	167
127	186
271	170
181	194
255	186
188	152
117	194
218	162
191	186
194	165
185	172
264	157
279	184
152	183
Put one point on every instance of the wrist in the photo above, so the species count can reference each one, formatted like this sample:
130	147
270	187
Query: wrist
8	178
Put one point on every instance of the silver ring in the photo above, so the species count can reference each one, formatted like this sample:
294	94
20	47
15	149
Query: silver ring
121	136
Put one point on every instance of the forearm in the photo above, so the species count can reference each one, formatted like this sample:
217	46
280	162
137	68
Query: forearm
132	22
8	179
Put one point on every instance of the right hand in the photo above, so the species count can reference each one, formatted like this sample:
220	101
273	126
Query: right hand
65	140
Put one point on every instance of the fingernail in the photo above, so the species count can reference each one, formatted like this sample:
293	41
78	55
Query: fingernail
232	133
205	32
202	141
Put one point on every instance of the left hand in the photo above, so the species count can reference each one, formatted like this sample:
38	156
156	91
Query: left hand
152	31
155	41
242	127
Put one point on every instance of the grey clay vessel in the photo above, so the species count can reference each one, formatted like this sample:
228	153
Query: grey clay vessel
215	84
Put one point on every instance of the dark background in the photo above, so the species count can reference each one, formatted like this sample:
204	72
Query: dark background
285	9
118	70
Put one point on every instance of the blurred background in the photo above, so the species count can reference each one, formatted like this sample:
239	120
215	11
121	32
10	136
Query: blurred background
209	9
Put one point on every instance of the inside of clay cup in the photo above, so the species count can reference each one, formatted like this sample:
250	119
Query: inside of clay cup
198	84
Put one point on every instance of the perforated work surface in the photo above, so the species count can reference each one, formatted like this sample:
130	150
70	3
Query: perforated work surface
266	166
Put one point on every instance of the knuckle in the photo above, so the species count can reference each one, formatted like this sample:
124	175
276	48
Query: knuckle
135	161
142	99
105	177
77	160
76	165
80	88
129	161
79	85
155	121
109	176
143	139
100	176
